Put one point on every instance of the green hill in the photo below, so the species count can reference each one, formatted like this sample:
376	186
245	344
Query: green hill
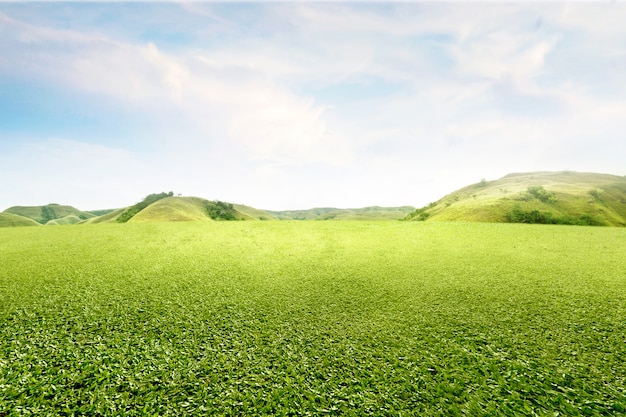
12	220
166	208
331	213
536	197
172	209
44	214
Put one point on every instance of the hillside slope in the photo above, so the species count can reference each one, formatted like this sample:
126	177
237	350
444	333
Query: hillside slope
12	220
536	197
43	214
330	213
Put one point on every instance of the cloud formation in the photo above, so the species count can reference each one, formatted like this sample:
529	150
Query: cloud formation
293	105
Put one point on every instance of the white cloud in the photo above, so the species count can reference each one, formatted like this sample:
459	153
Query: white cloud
224	95
459	93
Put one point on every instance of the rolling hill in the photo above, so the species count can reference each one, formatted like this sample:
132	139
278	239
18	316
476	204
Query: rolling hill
12	220
44	214
175	209
168	208
535	197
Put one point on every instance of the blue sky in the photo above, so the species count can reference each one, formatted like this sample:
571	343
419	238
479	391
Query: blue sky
287	105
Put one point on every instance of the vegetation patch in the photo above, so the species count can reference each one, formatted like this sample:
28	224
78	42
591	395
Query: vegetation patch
518	215
219	210
541	194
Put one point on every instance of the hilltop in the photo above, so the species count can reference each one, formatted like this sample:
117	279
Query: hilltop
535	197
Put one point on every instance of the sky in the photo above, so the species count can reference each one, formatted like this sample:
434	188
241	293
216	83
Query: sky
294	105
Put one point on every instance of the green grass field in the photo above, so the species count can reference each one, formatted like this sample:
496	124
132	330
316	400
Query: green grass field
313	318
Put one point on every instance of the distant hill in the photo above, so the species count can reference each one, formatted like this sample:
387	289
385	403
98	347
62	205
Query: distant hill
71	219
254	213
109	217
330	213
99	213
535	197
44	214
12	220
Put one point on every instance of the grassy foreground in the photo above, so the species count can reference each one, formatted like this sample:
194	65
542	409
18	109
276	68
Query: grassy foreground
312	318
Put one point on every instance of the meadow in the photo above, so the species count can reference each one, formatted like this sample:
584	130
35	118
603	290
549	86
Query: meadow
313	318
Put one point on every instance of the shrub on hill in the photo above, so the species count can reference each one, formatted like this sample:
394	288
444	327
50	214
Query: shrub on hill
130	212
219	210
518	215
541	194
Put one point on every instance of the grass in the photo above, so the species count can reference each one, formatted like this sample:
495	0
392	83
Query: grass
312	318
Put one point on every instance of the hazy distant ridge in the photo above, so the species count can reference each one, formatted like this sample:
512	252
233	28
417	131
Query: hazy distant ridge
331	213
